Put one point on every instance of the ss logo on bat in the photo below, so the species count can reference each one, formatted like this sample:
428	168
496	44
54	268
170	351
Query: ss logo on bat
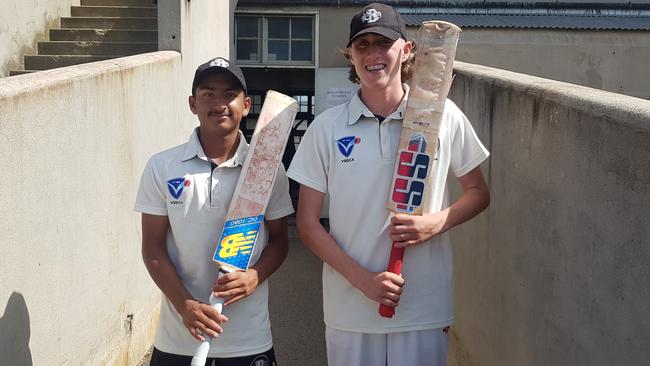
412	171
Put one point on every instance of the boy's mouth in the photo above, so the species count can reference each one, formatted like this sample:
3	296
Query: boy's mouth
376	67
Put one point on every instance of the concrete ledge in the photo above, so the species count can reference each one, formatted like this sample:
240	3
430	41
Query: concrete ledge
27	83
630	111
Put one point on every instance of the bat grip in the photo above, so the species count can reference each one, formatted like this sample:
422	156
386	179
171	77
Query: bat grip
201	353
394	266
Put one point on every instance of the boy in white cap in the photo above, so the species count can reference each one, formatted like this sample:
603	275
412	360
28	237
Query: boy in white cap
349	153
184	197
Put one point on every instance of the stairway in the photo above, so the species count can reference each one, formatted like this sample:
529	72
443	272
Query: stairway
98	30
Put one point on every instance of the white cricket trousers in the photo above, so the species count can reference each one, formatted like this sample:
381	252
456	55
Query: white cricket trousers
416	348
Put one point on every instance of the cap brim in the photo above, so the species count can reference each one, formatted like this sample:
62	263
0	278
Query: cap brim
388	33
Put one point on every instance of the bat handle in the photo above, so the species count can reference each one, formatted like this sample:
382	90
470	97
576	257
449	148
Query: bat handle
394	266
201	353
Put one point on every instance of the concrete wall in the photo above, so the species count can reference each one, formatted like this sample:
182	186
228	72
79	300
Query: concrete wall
200	30
22	24
73	144
556	271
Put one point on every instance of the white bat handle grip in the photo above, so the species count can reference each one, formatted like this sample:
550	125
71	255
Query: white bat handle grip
201	353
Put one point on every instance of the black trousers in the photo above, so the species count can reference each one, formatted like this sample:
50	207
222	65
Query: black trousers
160	358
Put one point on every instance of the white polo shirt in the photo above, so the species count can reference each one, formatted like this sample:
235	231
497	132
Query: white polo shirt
181	184
349	154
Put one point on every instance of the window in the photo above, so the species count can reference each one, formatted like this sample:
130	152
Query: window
274	40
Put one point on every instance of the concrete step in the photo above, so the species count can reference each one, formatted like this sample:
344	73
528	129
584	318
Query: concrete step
20	72
95	48
41	62
109	23
107	35
119	2
114	11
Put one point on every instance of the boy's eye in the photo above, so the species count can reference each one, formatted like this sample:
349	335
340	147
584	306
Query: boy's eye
361	45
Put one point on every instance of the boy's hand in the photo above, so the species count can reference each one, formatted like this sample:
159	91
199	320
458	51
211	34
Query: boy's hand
200	318
382	287
408	230
236	286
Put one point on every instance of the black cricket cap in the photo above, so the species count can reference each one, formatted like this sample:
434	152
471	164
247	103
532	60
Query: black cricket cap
377	18
215	65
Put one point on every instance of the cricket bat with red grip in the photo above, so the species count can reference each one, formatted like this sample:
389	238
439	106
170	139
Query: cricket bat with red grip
246	212
432	76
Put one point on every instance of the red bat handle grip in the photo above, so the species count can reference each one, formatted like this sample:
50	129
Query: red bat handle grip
394	266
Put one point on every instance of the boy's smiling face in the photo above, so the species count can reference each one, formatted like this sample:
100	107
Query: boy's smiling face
219	103
377	59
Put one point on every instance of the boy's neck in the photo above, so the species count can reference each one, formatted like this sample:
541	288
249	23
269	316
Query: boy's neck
219	148
382	102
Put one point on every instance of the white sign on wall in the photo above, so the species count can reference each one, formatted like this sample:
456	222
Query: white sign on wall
332	88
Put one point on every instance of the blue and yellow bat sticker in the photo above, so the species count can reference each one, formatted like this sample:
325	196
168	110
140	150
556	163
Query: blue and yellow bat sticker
237	242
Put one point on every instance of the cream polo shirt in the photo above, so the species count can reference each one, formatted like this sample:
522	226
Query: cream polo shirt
349	154
180	183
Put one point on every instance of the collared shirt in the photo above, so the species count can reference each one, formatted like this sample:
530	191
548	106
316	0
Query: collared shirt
350	155
181	184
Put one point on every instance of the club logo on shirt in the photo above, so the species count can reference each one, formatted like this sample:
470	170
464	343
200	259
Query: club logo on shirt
371	16
412	169
346	145
175	187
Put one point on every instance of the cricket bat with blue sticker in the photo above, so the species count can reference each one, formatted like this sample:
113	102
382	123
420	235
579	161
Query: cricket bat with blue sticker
246	212
416	155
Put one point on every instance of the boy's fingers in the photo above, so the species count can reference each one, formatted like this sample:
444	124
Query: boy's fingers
196	334
233	300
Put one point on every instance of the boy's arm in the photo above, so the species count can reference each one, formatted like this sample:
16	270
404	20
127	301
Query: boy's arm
382	287
408	230
197	317
238	285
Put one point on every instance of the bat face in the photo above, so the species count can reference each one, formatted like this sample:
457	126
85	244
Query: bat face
237	242
246	212
419	140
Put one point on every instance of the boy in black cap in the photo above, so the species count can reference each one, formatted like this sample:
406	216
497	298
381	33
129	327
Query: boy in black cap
184	197
349	153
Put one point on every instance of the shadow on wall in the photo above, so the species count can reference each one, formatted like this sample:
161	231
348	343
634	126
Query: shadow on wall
14	332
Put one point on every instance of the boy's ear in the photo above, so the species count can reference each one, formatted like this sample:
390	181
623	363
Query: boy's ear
247	106
408	46
192	102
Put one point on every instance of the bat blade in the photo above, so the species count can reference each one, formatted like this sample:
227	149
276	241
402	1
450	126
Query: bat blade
246	211
419	142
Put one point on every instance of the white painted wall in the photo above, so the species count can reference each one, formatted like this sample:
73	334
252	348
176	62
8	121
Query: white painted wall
22	24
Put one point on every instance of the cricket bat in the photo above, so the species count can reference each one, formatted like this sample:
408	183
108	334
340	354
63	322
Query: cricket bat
246	212
416	154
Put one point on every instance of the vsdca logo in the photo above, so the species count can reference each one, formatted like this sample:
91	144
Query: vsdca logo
412	169
346	145
176	185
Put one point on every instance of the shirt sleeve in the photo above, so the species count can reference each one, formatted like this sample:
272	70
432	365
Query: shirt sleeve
467	151
151	195
280	202
310	164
